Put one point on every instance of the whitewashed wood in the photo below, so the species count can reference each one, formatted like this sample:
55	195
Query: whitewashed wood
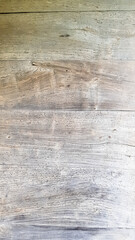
95	234
68	36
67	169
35	232
71	85
64	5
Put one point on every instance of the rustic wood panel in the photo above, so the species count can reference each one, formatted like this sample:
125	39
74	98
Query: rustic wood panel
64	5
76	36
71	85
76	124
67	174
67	169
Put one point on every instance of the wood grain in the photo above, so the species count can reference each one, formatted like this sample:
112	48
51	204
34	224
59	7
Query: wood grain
67	85
34	232
68	36
67	169
64	5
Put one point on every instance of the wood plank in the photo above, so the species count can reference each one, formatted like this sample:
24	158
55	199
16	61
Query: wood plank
67	169
27	232
64	5
68	36
71	85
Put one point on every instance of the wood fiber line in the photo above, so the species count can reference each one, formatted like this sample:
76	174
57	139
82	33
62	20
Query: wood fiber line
64	5
67	85
68	36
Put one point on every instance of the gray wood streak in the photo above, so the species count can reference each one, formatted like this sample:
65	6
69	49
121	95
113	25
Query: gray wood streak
67	169
64	5
31	232
71	85
76	36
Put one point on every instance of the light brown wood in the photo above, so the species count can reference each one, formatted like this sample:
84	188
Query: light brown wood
67	169
71	85
64	5
68	36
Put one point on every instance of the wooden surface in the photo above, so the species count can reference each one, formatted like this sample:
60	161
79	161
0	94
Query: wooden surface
64	173
67	120
26	232
68	36
64	5
67	169
69	85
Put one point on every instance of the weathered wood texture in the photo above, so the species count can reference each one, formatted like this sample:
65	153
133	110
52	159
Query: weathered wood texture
64	5
67	175
76	36
31	232
71	85
67	169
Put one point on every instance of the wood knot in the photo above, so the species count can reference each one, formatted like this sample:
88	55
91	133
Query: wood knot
64	35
